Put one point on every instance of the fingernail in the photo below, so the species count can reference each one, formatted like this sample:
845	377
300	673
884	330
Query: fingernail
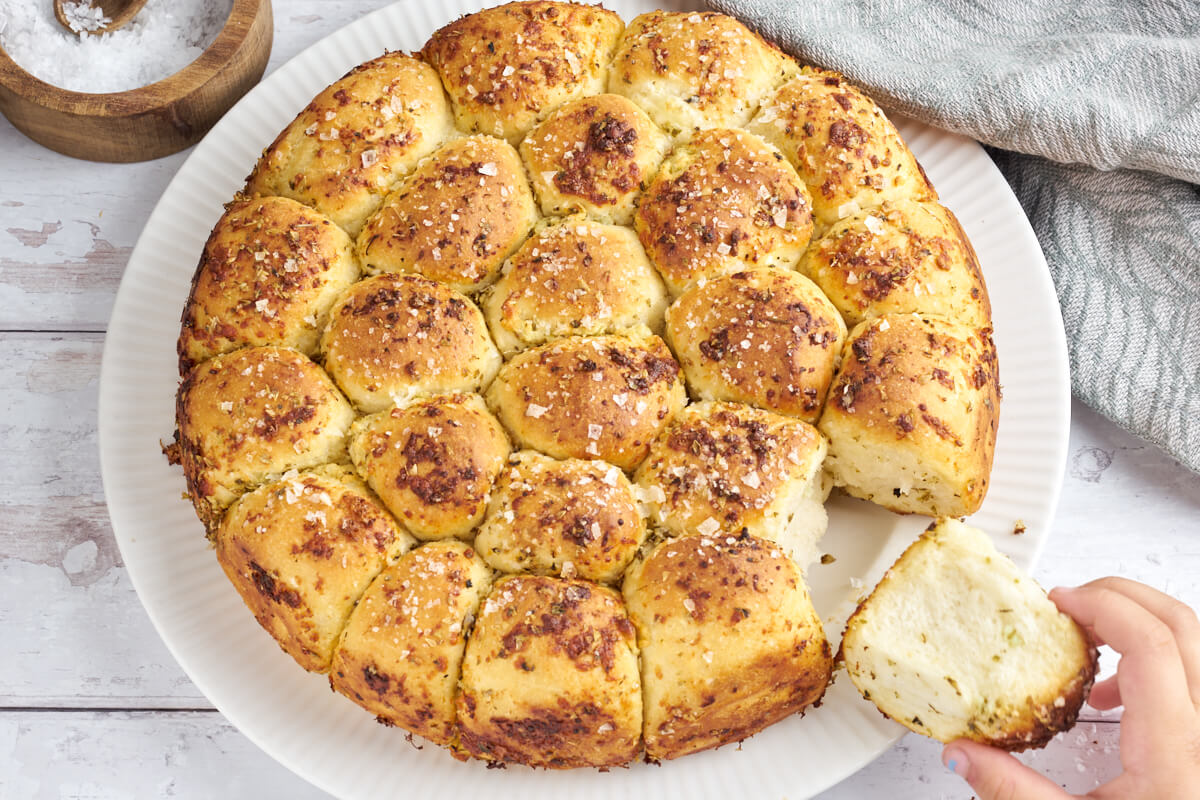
956	761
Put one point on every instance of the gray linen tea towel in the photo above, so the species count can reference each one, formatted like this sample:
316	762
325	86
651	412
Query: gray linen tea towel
1100	104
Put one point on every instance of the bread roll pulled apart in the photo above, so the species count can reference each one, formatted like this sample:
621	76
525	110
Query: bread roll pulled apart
955	642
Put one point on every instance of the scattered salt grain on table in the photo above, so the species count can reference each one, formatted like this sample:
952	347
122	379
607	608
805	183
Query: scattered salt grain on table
162	39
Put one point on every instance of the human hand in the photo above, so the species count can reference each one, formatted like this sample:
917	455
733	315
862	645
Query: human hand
1157	681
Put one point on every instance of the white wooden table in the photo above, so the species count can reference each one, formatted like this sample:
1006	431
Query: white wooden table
91	703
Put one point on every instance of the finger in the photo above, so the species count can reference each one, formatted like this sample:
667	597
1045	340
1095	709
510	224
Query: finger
1177	616
1106	694
996	775
1151	675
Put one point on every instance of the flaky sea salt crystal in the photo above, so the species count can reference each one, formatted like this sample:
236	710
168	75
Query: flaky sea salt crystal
84	17
162	39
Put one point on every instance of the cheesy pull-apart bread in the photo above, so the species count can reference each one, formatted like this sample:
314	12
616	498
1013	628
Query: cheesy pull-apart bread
574	278
572	518
693	70
506	68
955	642
912	415
550	677
723	201
302	550
455	218
766	337
432	462
842	145
269	273
356	139
400	656
249	416
601	397
594	155
904	257
395	337
728	469
729	639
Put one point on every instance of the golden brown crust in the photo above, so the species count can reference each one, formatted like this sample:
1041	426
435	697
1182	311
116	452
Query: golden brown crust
730	642
1049	715
924	387
269	273
693	71
842	145
507	67
570	518
601	397
767	337
727	468
355	140
596	155
432	462
550	677
248	416
301	551
903	257
394	337
725	200
456	218
576	278
400	656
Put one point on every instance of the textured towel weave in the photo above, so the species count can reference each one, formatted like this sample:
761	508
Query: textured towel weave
1101	102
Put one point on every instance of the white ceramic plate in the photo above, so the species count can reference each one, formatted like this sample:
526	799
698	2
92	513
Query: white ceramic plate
323	737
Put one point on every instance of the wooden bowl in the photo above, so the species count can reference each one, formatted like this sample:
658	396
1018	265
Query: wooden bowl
150	121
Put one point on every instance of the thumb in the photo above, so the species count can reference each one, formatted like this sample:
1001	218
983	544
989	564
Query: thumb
997	775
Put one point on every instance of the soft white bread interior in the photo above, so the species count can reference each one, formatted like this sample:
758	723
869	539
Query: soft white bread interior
955	642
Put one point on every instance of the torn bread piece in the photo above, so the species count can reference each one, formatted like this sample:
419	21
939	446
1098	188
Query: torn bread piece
955	642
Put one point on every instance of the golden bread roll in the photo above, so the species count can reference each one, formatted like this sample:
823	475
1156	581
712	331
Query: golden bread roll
725	200
355	140
572	518
729	641
269	273
912	415
766	337
456	218
302	550
696	70
395	337
955	642
904	257
249	416
843	146
603	397
574	278
505	68
596	155
401	653
550	677
432	462
727	469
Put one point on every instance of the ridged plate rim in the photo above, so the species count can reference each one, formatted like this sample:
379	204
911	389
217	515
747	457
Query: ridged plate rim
338	747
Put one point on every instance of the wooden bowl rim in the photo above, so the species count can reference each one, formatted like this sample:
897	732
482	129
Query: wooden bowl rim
133	102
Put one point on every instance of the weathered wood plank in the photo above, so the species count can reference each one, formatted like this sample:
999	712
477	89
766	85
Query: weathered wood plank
98	755
74	632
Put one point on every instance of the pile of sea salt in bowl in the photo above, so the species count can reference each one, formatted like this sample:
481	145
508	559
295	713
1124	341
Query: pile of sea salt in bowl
162	39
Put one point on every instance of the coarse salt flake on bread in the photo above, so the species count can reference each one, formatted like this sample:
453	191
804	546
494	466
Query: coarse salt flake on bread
955	642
